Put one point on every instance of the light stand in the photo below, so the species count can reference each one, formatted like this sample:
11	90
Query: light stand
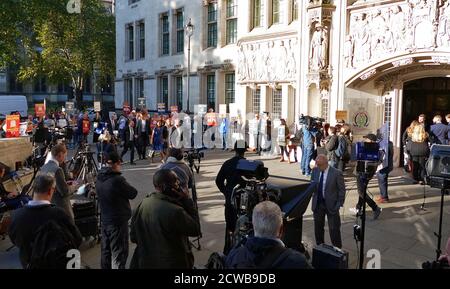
189	32
439	234
365	181
366	170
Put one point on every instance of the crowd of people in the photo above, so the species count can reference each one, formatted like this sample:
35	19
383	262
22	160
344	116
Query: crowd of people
164	220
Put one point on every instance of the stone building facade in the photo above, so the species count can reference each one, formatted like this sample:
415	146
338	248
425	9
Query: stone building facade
375	61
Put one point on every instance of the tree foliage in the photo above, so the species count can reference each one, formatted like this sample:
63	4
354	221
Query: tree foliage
48	40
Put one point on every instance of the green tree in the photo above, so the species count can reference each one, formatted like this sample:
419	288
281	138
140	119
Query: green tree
60	45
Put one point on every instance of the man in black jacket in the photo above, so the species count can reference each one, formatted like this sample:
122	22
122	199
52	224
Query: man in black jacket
114	193
129	141
226	180
27	220
265	250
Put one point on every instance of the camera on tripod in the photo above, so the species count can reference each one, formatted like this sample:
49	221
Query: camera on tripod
367	157
193	155
248	194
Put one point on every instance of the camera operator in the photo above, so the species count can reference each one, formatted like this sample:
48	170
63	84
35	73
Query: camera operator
176	164
114	193
266	250
362	182
161	225
309	133
226	180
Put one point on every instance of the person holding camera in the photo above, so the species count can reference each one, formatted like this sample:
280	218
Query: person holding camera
308	146
265	250
362	182
327	200
161	225
114	195
226	180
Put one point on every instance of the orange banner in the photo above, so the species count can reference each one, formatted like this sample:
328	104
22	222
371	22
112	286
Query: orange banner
39	109
12	126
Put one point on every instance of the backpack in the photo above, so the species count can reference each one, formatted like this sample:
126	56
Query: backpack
50	245
343	150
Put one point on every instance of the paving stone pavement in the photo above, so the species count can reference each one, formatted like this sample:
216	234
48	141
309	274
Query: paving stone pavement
404	234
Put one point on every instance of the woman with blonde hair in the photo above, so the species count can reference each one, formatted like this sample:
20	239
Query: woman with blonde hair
406	138
419	149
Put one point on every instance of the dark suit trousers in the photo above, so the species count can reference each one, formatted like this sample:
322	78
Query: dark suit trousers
334	226
129	145
142	145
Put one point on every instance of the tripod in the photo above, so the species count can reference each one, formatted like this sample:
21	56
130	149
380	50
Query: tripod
194	199
444	185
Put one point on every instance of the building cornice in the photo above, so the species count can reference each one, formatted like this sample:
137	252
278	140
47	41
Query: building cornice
268	36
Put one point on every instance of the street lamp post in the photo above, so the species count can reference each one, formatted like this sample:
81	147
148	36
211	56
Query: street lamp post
189	33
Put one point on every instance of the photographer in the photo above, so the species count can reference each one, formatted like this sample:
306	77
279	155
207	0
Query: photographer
362	182
226	180
266	250
161	225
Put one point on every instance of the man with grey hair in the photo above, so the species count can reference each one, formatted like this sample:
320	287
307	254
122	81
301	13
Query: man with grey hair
327	200
439	131
26	221
265	250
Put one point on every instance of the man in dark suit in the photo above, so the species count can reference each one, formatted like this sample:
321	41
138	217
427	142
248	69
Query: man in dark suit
328	198
143	133
55	167
129	141
439	131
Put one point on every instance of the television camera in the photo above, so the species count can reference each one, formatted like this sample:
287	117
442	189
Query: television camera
245	196
311	122
192	155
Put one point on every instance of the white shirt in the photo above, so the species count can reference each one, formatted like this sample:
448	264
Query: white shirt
143	125
131	134
325	175
38	203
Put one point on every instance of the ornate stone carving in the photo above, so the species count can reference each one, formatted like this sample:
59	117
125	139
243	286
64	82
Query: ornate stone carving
318	53
441	59
403	62
368	74
380	31
274	60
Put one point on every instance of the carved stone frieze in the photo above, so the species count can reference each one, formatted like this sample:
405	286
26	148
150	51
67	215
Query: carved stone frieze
268	61
376	32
